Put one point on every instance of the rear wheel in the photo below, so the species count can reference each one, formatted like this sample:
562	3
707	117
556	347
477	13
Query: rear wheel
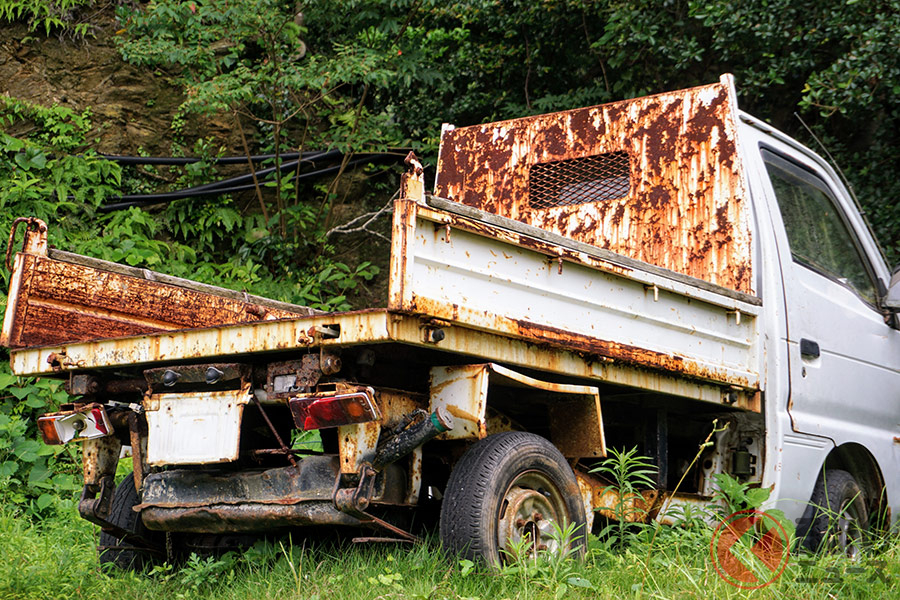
512	492
840	517
123	553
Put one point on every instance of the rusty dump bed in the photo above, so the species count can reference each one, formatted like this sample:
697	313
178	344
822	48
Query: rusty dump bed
610	243
58	297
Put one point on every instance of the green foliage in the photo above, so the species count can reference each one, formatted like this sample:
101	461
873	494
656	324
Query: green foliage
47	15
733	496
629	473
556	572
40	174
248	61
202	572
32	473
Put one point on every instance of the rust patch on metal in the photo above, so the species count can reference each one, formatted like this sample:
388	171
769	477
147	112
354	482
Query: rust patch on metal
60	302
581	441
554	252
99	458
395	405
607	500
225	518
617	351
686	210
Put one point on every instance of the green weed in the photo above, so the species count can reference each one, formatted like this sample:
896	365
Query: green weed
56	559
629	472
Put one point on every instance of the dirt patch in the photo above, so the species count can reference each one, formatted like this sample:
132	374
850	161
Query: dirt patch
132	106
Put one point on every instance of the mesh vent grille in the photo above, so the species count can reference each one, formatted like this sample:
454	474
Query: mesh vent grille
579	180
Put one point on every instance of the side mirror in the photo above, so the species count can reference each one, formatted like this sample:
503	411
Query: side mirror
891	300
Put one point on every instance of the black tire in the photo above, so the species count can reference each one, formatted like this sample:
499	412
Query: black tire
506	486
839	514
122	553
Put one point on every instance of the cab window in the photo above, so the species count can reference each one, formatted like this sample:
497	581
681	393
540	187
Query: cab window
818	236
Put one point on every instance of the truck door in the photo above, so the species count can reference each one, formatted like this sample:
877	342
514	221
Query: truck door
844	358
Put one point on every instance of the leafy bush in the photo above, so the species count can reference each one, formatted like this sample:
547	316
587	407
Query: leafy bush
733	496
32	473
47	15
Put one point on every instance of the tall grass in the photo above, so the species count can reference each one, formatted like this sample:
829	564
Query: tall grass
56	558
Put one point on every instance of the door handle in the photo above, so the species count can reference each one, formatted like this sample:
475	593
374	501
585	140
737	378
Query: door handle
809	348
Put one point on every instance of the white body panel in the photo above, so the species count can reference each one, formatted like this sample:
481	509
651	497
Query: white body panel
194	428
473	271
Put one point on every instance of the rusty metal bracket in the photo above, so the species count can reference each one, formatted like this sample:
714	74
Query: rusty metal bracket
287	378
274	431
94	506
330	360
32	244
413	163
354	501
137	434
96	500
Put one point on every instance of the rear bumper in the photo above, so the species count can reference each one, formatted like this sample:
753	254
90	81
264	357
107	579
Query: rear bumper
255	501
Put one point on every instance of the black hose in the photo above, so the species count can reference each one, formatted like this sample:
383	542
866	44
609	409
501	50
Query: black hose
176	160
262	173
148	199
224	160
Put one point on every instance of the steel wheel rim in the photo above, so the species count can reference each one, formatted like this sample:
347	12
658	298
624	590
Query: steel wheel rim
849	534
530	507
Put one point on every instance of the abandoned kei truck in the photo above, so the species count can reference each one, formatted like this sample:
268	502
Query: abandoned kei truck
614	276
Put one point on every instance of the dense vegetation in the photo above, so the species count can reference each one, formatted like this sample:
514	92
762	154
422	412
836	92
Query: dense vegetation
372	76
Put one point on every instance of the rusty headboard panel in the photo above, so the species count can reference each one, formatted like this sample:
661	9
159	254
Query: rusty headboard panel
657	179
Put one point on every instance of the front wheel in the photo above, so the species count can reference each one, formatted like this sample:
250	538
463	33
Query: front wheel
510	492
840	515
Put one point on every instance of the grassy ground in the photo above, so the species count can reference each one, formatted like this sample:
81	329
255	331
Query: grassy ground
56	558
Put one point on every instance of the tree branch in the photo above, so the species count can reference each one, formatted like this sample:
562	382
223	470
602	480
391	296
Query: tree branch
353	226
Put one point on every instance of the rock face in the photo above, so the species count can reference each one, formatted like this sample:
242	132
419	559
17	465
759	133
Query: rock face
132	106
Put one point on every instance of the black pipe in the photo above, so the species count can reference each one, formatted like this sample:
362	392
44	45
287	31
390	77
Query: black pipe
411	438
240	179
185	160
223	160
129	200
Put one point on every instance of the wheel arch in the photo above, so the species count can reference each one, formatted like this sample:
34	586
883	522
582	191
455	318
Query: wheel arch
857	460
573	419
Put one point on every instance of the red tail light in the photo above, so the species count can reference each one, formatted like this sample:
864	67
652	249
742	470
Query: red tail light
320	412
86	423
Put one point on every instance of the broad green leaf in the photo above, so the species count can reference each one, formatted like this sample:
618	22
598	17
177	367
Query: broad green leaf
44	500
35	402
21	392
8	468
580	582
